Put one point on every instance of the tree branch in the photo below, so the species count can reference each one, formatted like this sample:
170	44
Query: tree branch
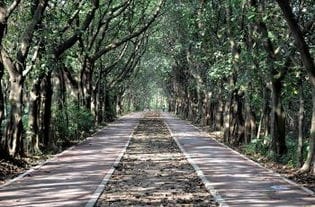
12	7
117	43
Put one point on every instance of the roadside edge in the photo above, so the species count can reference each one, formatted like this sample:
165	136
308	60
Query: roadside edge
217	197
44	162
97	193
204	133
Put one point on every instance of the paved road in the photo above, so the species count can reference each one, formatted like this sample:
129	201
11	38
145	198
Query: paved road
71	178
238	181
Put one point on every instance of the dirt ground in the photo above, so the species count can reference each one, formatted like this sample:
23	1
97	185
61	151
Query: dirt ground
153	172
8	170
12	168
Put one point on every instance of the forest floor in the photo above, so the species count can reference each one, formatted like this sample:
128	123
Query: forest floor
12	168
9	169
153	171
304	179
72	177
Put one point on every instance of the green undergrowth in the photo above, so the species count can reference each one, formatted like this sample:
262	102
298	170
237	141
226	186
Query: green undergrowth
261	148
72	124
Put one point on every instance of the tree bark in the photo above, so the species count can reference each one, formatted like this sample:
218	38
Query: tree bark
34	109
2	103
47	101
300	126
309	65
14	130
278	145
86	83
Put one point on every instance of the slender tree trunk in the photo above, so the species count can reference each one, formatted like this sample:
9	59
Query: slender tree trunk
219	115
190	106
240	122
3	26
260	125
94	102
266	112
253	125
310	155
278	145
308	62
227	120
119	107
247	134
300	126
86	83
47	101
99	105
2	103
34	108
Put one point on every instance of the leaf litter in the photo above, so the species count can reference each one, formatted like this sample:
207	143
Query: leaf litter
154	172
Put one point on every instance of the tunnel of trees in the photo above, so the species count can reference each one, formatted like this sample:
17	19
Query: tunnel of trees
243	68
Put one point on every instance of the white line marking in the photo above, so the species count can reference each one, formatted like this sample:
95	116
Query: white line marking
217	197
32	169
308	191
97	193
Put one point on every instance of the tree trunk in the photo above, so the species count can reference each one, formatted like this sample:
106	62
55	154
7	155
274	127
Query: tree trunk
60	98
94	102
99	104
15	67
14	130
227	120
240	122
2	103
247	133
310	155
219	115
260	125
266	112
46	121
119	107
278	145
86	83
309	65
34	108
300	126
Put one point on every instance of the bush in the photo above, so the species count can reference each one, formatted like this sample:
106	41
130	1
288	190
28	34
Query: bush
71	123
261	147
80	120
291	157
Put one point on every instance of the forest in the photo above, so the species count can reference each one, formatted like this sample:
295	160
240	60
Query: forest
244	69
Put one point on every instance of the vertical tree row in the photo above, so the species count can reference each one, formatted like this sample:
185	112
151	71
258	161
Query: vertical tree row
63	67
245	68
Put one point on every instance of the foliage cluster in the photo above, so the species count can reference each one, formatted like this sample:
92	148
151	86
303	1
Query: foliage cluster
235	66
64	66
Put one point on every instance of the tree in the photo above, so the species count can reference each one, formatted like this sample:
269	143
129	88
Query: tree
309	65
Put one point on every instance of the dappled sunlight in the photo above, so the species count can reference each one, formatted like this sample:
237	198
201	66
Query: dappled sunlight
153	172
71	178
239	181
